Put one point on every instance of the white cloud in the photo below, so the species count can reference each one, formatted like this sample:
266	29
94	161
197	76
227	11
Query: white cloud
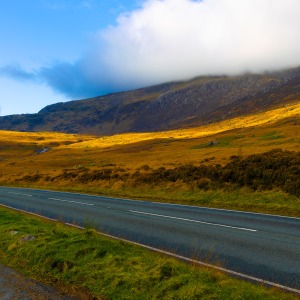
166	40
177	39
84	5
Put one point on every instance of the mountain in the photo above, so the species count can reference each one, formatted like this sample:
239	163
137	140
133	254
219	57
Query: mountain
171	105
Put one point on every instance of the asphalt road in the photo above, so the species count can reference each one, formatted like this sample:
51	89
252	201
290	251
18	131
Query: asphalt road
263	246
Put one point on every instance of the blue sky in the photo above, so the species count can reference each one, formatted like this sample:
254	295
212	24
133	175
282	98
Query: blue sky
59	50
41	33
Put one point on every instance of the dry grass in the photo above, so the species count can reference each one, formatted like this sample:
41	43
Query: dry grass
258	133
194	133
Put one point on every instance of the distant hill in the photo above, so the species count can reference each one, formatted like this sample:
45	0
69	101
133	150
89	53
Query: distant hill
172	105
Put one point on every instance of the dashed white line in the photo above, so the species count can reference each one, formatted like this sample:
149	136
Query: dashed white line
159	203
70	201
190	220
20	194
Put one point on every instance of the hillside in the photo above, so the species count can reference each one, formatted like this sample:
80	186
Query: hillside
174	105
166	165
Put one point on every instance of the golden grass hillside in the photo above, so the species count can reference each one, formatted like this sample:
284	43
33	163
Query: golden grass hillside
198	132
116	165
279	128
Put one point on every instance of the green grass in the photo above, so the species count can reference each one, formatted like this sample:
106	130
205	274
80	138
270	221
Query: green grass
271	136
221	142
109	269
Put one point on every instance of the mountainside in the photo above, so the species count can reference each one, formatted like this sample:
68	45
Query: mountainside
173	105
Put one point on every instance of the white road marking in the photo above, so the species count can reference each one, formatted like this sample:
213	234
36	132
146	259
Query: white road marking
74	225
195	221
159	203
20	194
69	201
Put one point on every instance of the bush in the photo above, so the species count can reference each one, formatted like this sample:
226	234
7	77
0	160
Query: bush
270	170
273	169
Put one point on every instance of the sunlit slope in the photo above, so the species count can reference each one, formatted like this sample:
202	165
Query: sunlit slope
203	131
215	143
40	138
25	143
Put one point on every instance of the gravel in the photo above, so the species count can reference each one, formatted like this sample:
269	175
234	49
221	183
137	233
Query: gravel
14	286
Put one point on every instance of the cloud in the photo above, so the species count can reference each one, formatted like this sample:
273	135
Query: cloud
16	72
177	39
166	40
70	79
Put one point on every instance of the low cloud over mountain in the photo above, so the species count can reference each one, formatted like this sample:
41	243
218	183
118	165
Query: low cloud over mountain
166	40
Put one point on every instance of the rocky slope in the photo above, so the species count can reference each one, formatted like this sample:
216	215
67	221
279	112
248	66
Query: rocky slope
167	106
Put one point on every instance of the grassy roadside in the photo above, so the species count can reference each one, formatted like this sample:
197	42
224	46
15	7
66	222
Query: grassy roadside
107	269
265	183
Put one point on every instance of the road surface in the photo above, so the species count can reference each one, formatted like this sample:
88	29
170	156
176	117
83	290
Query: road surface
263	246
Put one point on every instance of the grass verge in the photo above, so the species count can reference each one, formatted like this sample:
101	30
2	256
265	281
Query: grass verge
107	269
265	183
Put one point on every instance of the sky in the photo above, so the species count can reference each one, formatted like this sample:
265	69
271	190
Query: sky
59	50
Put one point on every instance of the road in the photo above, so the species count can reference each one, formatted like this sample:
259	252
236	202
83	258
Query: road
263	246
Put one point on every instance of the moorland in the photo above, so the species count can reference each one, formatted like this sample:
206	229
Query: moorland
247	163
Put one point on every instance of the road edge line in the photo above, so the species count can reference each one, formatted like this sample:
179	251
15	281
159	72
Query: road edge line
203	264
182	258
28	212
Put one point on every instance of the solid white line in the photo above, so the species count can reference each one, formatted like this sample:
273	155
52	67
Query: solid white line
200	263
195	221
74	225
189	260
239	275
69	201
28	212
